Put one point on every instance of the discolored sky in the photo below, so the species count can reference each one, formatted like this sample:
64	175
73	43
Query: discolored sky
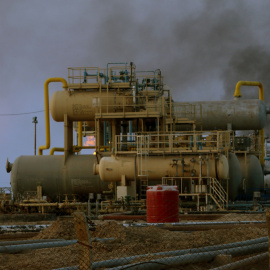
202	48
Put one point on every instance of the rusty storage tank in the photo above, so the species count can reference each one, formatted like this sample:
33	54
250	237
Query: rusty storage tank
162	204
56	177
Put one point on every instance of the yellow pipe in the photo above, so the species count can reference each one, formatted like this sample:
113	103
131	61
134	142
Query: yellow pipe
75	148
80	133
47	111
56	149
237	93
84	147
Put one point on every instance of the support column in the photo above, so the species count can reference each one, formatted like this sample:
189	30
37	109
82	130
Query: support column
97	129
113	133
68	137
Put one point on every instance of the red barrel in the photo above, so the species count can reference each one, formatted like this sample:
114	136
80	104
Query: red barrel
162	204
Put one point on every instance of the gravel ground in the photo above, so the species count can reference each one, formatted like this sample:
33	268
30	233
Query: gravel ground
130	241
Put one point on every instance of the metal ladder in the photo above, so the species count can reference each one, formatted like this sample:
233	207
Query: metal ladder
218	193
142	154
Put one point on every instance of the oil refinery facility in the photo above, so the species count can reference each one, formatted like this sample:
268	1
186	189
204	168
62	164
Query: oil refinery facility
213	152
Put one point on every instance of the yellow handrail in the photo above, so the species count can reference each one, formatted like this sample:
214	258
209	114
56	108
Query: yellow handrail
47	110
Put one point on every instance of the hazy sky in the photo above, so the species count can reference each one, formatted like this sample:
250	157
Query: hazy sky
202	48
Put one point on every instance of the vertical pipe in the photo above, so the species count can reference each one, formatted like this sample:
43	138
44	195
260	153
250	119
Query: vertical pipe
47	110
105	136
80	133
191	142
35	138
97	207
200	179
89	206
130	130
68	136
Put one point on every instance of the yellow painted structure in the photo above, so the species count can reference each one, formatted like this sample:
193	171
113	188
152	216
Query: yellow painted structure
143	137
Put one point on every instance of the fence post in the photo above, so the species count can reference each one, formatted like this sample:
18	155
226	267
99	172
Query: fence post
83	235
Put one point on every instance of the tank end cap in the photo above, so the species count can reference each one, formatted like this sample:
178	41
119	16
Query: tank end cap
8	166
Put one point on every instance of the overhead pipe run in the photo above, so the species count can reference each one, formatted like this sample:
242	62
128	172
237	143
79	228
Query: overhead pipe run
237	94
47	110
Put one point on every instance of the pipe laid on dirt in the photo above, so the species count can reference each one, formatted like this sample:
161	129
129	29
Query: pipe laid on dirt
20	248
119	261
22	242
23	228
187	224
127	260
123	217
193	258
244	262
201	226
42	243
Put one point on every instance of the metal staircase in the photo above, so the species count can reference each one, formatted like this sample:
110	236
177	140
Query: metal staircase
142	158
218	193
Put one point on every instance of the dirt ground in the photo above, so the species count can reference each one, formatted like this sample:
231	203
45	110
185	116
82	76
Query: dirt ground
130	241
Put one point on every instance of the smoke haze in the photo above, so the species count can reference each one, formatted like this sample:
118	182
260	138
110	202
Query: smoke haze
201	47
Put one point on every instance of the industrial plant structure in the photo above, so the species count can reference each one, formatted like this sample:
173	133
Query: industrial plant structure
143	137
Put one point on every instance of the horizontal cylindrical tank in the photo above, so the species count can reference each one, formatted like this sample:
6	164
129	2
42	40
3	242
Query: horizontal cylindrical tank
56	177
162	204
235	177
156	167
252	174
240	114
267	181
82	105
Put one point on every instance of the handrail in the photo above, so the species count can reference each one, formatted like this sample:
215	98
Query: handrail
191	141
215	191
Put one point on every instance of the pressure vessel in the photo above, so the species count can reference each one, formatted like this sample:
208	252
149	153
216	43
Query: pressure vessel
113	168
75	176
240	114
252	174
235	177
83	105
267	182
